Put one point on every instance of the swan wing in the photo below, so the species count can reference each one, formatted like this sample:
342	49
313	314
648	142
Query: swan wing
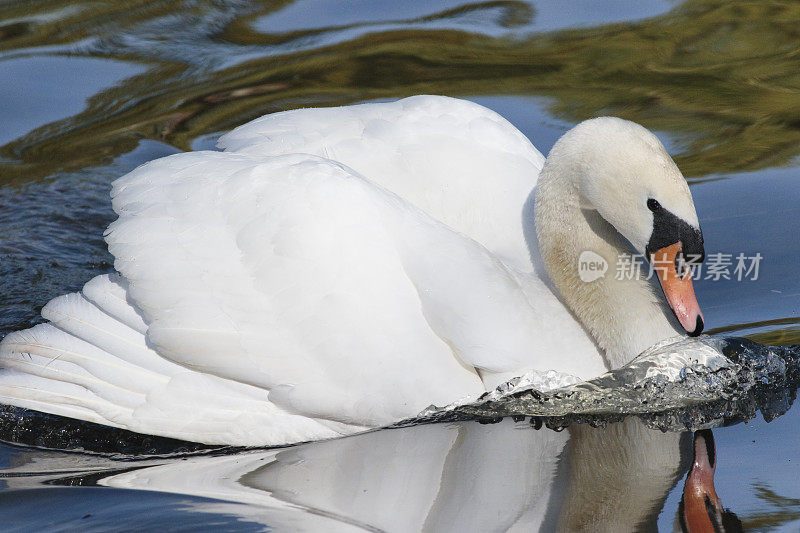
458	161
299	276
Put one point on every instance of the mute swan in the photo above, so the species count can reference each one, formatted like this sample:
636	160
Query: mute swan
338	269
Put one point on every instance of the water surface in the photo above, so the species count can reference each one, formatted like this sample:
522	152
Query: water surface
91	90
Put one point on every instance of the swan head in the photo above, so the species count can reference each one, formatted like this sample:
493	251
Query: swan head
700	508
622	171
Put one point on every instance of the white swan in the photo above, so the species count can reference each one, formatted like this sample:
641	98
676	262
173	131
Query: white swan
338	269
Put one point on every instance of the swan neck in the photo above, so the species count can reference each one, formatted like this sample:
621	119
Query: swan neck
624	314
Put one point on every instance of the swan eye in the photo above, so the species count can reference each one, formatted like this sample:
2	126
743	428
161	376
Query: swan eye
653	205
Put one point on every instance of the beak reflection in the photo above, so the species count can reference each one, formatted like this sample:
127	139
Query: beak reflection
700	509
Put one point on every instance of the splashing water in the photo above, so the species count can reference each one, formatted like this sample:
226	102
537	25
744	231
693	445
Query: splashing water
677	384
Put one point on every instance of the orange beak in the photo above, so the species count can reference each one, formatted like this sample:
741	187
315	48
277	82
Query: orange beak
676	280
701	506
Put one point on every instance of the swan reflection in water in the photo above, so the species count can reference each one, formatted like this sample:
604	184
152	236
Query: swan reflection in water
507	476
700	509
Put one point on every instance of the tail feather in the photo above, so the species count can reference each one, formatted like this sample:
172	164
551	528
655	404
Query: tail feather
92	362
56	397
80	318
48	352
110	294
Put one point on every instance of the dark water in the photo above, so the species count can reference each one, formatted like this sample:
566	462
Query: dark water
90	90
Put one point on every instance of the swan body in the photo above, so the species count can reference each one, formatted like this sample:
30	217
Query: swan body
333	270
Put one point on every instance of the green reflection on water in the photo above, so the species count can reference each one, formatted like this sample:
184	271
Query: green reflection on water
787	331
778	337
721	76
779	510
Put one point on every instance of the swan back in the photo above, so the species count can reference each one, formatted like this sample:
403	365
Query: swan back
457	161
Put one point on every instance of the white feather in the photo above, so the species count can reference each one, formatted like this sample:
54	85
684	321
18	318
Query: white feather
332	270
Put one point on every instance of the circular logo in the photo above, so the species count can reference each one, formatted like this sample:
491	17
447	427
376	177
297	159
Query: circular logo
591	266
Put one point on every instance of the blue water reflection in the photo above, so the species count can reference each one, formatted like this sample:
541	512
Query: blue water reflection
38	90
542	15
